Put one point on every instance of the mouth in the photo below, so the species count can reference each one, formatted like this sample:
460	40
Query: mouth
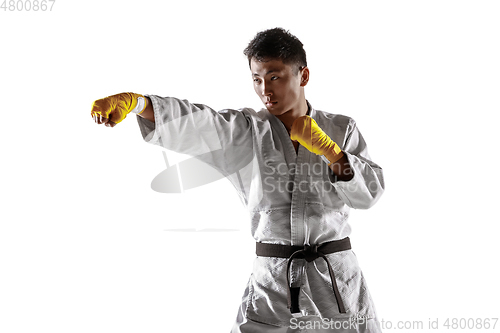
270	104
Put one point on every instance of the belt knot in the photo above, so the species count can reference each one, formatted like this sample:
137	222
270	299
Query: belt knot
310	252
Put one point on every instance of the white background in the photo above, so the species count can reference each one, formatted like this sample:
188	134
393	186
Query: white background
83	240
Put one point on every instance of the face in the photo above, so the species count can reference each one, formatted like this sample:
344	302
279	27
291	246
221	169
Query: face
279	86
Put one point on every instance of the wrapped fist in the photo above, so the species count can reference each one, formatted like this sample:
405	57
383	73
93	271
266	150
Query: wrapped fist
113	109
306	131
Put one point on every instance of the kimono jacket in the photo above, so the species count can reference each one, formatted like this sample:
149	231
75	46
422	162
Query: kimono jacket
292	197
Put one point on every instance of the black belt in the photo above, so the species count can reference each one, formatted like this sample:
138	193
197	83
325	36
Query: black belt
309	253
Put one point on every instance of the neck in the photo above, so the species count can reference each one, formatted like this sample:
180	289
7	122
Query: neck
289	117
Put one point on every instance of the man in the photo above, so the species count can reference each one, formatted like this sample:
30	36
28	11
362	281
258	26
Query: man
298	171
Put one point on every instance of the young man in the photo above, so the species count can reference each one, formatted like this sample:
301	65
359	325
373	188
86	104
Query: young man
298	171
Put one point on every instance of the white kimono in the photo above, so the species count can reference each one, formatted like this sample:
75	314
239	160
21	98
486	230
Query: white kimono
293	199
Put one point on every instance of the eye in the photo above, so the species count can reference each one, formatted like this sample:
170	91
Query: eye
273	78
256	81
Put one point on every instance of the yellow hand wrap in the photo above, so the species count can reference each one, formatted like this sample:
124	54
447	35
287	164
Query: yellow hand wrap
307	132
117	107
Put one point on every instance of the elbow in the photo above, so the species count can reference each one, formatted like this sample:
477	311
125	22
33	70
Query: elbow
366	199
375	191
361	192
369	201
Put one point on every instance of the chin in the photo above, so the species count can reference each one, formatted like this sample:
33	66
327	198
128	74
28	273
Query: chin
274	110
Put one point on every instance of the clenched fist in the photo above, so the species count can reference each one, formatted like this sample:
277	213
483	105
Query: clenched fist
113	109
306	131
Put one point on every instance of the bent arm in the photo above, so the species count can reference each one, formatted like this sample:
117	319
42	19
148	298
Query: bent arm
361	183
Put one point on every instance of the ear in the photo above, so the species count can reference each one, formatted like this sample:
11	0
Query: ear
304	76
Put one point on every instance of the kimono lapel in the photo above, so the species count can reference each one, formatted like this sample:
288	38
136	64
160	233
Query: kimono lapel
290	155
298	167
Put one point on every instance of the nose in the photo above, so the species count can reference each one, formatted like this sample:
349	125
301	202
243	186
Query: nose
266	90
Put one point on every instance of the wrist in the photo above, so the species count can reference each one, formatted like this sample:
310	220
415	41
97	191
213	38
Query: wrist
333	157
148	112
140	105
342	169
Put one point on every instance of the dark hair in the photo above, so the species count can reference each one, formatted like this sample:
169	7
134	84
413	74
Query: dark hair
277	43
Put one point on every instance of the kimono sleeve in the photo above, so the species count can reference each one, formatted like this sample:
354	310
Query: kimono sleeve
223	139
367	184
